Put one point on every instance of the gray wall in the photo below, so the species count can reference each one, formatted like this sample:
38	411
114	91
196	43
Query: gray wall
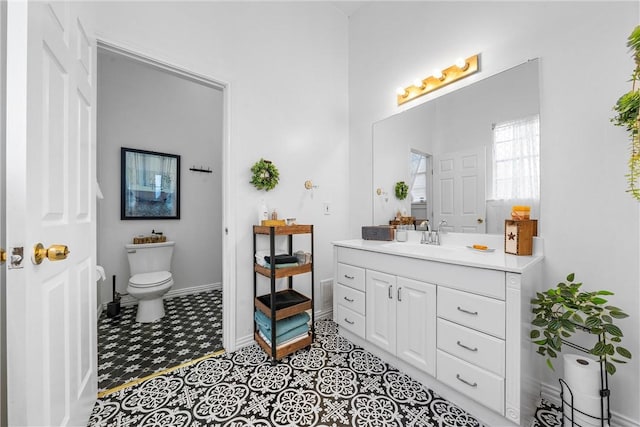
142	107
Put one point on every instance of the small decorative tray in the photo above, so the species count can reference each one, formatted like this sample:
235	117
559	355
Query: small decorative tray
481	250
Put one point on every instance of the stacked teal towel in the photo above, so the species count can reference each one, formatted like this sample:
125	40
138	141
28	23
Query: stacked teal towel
293	333
286	329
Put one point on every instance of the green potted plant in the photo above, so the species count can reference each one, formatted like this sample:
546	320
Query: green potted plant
563	310
627	110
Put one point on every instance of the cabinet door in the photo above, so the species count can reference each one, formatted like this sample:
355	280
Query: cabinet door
381	310
416	327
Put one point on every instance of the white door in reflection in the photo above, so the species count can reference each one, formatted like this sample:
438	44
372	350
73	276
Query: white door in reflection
459	191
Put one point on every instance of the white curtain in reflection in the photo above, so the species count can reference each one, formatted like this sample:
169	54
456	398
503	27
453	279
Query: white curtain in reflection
516	159
516	170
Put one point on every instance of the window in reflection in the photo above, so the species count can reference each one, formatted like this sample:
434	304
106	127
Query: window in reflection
420	185
516	159
418	177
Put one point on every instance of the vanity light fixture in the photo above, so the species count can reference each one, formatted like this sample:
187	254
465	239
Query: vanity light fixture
461	69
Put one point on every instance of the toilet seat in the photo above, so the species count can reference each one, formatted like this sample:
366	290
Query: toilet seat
145	280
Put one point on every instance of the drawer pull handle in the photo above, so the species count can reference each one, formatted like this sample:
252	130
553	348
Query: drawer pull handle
349	277
468	348
474	385
349	321
390	292
349	299
399	296
473	313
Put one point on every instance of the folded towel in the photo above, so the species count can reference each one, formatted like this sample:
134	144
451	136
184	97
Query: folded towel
283	343
262	254
282	259
265	264
283	325
293	333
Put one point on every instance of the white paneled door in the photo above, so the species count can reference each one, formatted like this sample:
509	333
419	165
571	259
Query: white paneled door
459	191
51	307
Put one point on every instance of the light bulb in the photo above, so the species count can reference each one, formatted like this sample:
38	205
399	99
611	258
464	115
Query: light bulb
401	91
438	74
462	64
418	83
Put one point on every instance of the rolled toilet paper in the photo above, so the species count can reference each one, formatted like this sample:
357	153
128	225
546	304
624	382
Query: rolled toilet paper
582	374
101	274
587	410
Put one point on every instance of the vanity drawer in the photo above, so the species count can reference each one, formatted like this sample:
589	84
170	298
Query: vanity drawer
475	347
351	276
478	384
350	298
351	320
480	313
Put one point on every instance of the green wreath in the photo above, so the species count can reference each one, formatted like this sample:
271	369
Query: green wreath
402	190
265	175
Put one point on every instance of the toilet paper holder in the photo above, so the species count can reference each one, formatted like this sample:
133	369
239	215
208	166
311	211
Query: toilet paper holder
577	417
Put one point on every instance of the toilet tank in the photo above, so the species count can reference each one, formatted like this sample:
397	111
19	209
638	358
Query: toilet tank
149	257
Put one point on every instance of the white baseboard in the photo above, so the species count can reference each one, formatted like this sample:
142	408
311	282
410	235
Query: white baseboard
244	341
551	394
325	314
128	300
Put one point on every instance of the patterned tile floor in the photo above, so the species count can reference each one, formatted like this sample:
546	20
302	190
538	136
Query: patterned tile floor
127	350
332	384
547	415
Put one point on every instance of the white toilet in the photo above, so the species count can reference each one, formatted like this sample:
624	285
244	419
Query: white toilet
150	266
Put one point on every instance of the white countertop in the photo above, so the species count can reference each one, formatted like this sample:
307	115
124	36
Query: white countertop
454	250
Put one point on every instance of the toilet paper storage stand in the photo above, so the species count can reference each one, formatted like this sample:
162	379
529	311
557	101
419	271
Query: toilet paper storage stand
604	419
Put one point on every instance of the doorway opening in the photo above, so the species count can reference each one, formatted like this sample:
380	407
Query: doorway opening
147	104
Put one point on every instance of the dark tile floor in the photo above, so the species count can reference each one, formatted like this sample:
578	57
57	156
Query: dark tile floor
127	350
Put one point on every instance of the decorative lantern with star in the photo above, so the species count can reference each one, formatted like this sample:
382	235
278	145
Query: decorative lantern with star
518	237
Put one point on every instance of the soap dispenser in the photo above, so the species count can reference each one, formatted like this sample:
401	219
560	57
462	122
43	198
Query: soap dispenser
263	212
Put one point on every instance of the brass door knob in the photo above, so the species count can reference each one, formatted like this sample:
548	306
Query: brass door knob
53	253
3	256
480	220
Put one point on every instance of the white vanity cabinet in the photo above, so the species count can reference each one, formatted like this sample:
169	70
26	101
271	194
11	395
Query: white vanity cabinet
457	321
349	300
471	350
402	318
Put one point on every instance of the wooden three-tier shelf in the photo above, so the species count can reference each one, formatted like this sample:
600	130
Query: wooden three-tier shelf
284	303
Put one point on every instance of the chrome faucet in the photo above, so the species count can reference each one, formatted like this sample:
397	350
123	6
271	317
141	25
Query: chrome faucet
438	232
432	237
426	234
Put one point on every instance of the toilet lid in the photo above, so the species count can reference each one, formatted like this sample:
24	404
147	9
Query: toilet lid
150	279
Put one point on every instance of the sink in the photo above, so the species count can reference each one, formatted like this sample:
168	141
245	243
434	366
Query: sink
419	248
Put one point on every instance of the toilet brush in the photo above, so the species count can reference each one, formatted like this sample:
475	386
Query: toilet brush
113	308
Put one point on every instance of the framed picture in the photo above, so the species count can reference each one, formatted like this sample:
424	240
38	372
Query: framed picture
150	185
